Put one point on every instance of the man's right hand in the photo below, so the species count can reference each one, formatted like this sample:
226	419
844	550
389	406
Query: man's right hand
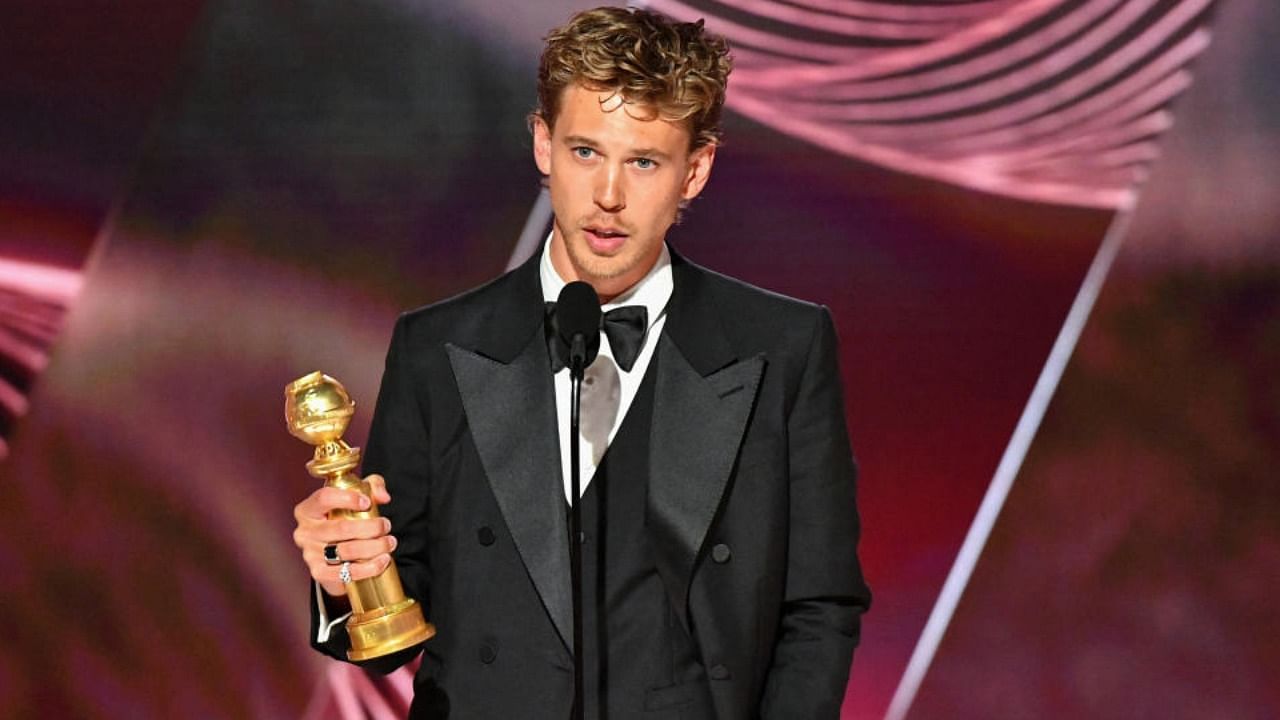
365	543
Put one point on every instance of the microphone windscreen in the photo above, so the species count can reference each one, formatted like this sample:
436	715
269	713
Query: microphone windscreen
578	313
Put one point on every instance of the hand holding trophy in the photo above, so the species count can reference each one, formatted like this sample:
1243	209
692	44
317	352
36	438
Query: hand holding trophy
317	410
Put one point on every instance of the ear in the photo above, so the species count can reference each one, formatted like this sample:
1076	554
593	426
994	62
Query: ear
541	144
700	162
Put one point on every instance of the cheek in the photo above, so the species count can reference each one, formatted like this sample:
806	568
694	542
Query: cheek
663	206
571	178
564	191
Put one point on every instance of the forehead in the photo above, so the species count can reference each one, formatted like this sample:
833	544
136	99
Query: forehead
605	117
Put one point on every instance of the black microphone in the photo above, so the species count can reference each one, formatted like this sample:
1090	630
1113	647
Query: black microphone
578	324
578	329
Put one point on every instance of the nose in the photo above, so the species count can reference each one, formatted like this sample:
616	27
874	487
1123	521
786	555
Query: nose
610	195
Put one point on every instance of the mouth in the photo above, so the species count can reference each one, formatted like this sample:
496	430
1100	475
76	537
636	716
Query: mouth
604	239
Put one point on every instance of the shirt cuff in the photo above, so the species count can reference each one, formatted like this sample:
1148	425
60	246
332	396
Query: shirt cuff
325	625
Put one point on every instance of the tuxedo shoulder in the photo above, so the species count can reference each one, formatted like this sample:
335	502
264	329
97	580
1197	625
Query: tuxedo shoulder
464	302
762	298
472	313
759	311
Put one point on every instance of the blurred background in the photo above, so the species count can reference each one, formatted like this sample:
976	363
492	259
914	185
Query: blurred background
203	200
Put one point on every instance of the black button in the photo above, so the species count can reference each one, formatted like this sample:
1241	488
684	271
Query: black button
721	553
487	654
720	672
486	536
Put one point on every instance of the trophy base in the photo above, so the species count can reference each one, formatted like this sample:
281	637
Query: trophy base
391	630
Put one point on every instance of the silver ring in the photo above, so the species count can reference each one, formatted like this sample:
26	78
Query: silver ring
344	573
331	555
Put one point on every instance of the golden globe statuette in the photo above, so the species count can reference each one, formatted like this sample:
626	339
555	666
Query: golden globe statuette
317	410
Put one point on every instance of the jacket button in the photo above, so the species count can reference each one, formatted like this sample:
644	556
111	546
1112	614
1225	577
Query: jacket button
486	536
721	553
720	672
487	654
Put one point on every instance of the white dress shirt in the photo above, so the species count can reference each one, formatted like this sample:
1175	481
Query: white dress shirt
607	390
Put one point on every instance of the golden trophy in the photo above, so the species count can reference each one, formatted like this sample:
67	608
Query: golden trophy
317	410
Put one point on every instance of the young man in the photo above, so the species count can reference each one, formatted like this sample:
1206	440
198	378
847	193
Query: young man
720	527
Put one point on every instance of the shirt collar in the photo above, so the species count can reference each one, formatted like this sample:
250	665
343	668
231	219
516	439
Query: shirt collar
652	291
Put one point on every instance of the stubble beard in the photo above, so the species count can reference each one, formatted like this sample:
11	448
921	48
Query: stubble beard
597	267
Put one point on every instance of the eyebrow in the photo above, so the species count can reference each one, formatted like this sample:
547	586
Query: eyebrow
576	140
651	153
579	140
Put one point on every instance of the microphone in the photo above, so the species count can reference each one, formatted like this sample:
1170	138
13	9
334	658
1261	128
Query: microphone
578	328
578	324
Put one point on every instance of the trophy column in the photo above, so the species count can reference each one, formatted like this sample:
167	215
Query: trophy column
383	621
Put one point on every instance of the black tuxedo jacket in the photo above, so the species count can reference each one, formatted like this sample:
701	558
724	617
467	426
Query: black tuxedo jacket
750	506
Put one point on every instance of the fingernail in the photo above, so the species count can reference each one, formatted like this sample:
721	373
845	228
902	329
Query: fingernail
394	541
386	525
364	503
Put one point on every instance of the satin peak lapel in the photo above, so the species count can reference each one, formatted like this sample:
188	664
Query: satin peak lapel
698	424
510	410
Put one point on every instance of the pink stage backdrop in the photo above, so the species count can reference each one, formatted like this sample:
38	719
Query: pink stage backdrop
205	200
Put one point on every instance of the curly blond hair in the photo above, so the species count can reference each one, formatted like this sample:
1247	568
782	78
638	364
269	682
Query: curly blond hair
675	70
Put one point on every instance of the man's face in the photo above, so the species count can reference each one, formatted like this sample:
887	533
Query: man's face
617	178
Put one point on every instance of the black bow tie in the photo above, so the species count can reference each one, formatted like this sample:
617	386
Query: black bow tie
625	327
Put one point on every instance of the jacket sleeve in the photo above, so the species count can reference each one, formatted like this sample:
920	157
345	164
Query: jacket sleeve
397	449
825	594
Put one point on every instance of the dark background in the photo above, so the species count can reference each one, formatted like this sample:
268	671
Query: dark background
201	201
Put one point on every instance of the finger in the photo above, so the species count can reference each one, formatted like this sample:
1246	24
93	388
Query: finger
310	508
337	531
333	589
317	505
333	498
359	570
361	550
378	489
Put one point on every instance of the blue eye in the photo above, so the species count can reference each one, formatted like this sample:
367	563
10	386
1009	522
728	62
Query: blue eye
645	163
583	153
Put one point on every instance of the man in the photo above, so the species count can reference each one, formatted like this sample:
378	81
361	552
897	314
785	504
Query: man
720	573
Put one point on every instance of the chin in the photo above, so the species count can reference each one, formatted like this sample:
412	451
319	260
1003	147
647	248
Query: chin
603	267
606	271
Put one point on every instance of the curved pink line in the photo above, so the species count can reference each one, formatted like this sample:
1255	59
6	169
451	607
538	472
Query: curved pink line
736	33
974	177
1135	153
39	280
747	60
1085	142
883	62
857	88
1128	99
1143	153
843	25
995	88
1070	26
12	400
1060	95
908	13
1088	151
40	322
30	356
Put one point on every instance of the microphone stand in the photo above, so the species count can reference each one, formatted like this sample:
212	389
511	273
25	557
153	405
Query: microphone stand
578	310
577	362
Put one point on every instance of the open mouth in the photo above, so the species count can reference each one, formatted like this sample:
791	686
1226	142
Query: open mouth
604	239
